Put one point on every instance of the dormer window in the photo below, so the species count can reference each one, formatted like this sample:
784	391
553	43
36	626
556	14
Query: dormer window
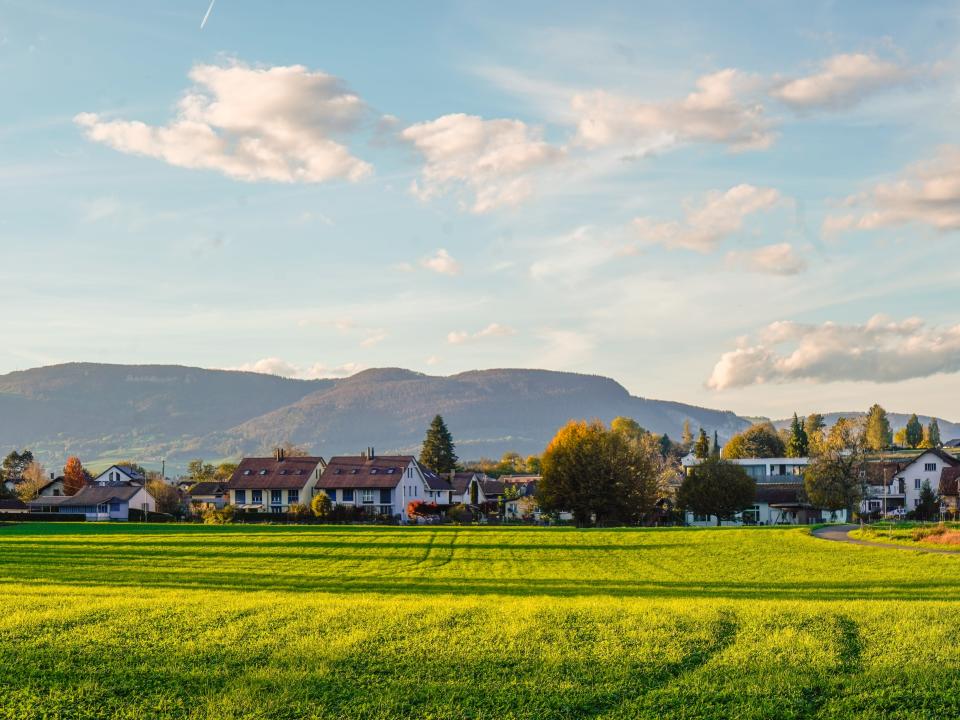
263	472
248	472
373	471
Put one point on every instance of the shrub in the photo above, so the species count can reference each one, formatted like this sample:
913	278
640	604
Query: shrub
420	508
298	511
321	505
212	516
460	514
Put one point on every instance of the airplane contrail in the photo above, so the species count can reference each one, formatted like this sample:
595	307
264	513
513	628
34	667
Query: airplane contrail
209	10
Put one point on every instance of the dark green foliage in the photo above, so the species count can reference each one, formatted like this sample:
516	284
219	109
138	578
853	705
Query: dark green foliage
438	448
914	431
15	463
715	448
798	445
929	506
716	487
933	433
701	448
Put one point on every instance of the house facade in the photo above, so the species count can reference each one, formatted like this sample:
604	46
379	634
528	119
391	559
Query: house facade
108	502
273	484
896	489
949	489
208	494
119	474
382	484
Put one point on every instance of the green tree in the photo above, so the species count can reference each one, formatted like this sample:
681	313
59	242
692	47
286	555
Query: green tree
686	438
716	487
758	441
701	448
928	507
224	471
835	478
600	476
877	433
798	444
914	434
321	505
16	463
199	471
665	444
165	496
438	448
933	433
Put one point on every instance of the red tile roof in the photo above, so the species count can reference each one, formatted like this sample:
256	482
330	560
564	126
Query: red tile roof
950	481
357	471
268	473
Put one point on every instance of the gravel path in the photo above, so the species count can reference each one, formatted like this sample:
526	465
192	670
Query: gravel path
841	533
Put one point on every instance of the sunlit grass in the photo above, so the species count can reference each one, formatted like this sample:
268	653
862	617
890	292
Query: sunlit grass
138	621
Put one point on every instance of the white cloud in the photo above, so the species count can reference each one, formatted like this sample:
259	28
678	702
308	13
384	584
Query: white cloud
564	349
927	193
374	338
705	226
441	262
251	124
278	366
881	351
574	255
842	81
495	160
779	259
715	112
492	330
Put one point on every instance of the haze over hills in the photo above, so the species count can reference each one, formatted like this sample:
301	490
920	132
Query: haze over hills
146	412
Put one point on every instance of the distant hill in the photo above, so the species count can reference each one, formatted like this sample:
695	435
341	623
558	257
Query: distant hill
103	412
948	430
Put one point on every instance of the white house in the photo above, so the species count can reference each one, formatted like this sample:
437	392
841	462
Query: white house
900	482
780	498
109	502
119	474
382	484
273	484
53	488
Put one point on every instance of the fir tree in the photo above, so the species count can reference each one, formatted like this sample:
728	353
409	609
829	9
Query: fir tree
933	433
877	432
798	444
438	448
715	450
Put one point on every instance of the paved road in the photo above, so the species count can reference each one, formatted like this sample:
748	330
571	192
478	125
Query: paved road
840	533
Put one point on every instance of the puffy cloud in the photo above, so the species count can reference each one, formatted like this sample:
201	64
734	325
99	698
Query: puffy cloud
494	159
278	366
275	124
705	226
927	193
779	259
490	331
715	112
841	81
882	350
441	262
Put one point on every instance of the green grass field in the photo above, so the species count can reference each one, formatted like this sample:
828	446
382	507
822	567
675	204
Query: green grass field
131	621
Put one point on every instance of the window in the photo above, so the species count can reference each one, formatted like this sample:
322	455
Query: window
276	497
916	502
257	496
332	494
263	472
701	518
293	496
114	507
366	497
348	495
916	483
248	472
386	496
241	495
373	471
930	467
409	472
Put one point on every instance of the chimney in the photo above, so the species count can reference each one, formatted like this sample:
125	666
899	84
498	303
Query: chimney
372	453
279	454
363	454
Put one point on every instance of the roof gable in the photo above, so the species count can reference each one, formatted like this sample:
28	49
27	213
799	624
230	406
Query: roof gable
269	473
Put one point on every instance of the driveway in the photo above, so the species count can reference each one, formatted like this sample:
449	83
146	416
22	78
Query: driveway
841	533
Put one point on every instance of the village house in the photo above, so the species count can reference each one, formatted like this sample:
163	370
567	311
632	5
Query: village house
273	484
53	488
12	505
895	487
949	489
473	488
382	484
780	498
119	474
108	501
207	494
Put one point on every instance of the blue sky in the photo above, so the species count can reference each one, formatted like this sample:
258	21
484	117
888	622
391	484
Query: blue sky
751	208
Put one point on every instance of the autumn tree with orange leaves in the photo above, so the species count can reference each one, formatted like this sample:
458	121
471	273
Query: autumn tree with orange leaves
74	476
